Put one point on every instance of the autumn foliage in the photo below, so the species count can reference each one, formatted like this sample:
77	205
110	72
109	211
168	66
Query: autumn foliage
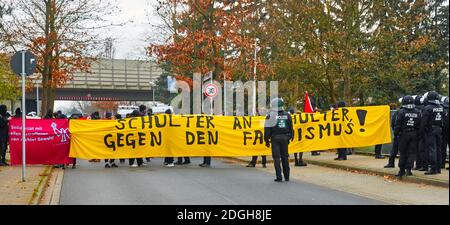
209	36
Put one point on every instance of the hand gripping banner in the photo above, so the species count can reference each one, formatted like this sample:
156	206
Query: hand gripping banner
203	135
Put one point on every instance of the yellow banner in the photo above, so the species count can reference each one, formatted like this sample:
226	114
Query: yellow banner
202	135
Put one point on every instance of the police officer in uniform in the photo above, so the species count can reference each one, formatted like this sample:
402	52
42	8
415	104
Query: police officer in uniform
431	127
421	151
406	128
445	132
278	131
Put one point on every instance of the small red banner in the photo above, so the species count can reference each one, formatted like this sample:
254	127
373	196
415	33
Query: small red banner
47	141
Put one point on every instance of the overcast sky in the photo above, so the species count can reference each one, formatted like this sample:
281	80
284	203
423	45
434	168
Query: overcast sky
130	39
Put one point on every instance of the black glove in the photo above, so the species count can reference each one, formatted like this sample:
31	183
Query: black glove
268	144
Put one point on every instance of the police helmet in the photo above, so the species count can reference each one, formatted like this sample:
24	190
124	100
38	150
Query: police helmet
446	102
407	100
442	99
418	100
277	104
432	96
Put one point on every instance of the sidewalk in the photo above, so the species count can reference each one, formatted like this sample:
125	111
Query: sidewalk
15	192
366	164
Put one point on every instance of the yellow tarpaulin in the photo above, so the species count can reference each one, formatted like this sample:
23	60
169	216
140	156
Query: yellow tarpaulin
202	135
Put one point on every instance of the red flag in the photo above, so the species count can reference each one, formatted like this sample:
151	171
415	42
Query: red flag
308	107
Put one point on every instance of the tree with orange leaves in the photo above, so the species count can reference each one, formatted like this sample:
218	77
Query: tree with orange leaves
61	33
208	36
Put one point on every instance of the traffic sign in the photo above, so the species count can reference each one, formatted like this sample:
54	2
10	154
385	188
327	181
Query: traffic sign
211	90
23	63
21	58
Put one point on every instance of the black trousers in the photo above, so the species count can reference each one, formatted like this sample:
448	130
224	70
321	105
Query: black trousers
421	154
168	160
255	159
407	145
3	147
300	156
444	145
378	149
207	160
280	155
342	153
109	160
433	145
186	159
394	151
139	161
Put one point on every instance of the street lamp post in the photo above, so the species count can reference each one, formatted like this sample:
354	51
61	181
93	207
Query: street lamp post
37	98
152	85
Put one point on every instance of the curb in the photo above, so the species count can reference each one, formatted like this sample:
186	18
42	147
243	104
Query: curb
412	179
40	189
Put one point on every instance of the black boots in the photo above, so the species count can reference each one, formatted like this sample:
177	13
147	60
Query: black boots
431	172
401	173
251	165
391	163
300	163
409	172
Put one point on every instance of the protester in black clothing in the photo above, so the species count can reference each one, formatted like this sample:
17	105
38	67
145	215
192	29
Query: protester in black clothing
168	161
278	130
206	162
49	115
378	154
255	160
18	113
139	161
342	152
95	116
109	163
144	112
187	161
3	135
118	117
60	115
297	156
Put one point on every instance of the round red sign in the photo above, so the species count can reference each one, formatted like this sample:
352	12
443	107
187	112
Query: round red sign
211	90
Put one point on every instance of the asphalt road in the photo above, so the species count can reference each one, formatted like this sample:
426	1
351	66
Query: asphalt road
223	184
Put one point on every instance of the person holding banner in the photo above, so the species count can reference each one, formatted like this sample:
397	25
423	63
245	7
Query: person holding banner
342	152
119	117
109	163
3	135
278	130
168	161
144	112
140	161
252	163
